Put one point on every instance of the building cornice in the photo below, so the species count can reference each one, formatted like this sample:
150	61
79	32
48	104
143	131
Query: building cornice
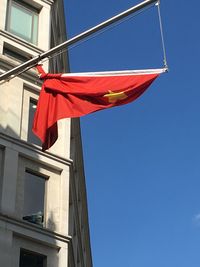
32	151
20	41
32	231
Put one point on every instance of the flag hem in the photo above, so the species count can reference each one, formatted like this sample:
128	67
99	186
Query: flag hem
117	73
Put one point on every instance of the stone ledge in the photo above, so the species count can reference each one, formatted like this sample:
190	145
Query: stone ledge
32	151
21	42
33	232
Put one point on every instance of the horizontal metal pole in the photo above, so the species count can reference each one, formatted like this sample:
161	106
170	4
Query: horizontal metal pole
35	60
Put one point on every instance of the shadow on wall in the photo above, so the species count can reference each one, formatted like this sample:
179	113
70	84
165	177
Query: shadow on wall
5	129
51	222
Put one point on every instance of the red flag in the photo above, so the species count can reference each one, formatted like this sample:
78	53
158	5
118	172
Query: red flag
74	95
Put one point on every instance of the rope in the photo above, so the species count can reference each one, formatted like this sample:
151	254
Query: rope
162	36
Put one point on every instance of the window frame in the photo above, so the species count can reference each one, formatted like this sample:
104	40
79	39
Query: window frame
52	200
30	9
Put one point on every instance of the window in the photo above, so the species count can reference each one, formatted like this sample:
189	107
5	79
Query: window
30	96
38	192
34	192
32	138
31	259
14	53
23	21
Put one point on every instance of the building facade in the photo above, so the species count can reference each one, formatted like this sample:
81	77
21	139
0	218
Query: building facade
43	204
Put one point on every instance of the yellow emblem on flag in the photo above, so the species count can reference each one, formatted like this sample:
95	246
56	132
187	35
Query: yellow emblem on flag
114	97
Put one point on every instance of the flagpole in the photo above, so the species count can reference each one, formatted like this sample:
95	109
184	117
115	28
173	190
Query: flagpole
32	62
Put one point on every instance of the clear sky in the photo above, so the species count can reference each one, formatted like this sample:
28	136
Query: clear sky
142	160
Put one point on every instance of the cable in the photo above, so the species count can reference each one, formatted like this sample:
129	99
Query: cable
97	33
162	36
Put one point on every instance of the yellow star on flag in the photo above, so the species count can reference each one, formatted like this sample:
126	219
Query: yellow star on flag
114	97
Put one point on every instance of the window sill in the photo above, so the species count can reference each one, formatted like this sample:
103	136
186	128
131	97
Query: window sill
33	151
21	227
20	41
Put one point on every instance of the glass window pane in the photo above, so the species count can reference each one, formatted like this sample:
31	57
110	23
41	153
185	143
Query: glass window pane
21	22
31	137
34	192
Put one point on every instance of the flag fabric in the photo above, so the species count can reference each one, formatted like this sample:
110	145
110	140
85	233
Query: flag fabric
74	95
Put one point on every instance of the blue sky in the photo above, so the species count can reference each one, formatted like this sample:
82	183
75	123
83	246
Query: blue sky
142	159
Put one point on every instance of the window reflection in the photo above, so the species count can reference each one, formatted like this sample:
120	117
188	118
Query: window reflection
31	137
34	195
23	21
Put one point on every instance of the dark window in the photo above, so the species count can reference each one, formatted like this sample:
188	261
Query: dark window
23	21
31	137
15	53
31	259
34	195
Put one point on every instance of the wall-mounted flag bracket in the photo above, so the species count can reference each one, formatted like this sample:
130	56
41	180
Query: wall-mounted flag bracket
34	61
